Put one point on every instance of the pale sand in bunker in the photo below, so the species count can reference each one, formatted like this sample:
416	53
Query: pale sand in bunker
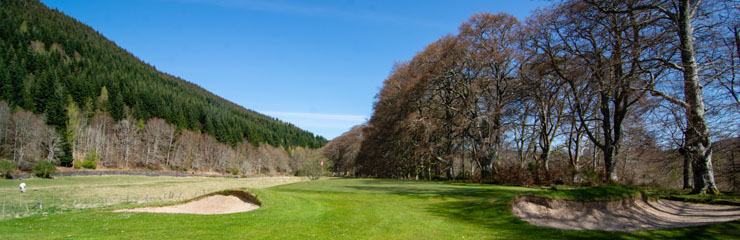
625	215
213	204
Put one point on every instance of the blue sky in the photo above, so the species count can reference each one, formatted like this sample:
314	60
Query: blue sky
316	64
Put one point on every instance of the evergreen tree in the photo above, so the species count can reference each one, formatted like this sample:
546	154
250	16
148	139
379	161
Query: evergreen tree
56	112
16	91
56	115
4	82
116	107
44	91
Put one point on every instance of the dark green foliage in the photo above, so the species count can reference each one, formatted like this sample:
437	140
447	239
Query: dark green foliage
78	62
116	110
56	113
66	159
44	92
44	169
6	168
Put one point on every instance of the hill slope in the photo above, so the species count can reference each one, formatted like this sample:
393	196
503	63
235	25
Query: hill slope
47	58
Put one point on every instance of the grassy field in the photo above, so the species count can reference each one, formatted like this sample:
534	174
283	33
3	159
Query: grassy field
65	194
344	209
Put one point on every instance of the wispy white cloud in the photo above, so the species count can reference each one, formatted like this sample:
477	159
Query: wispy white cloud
318	116
315	10
326	125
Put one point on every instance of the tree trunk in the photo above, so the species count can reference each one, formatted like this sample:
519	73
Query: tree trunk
495	146
594	155
610	162
687	184
125	156
169	148
698	142
734	171
610	145
574	149
15	148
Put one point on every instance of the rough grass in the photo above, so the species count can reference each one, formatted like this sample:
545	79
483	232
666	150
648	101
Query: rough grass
65	194
683	195
599	193
347	209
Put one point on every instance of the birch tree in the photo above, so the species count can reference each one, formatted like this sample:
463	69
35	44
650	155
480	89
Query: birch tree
126	132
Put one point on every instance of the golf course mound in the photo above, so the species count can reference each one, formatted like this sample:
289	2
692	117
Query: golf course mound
225	202
630	214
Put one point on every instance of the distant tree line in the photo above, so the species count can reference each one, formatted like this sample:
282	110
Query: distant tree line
69	76
26	141
581	91
343	150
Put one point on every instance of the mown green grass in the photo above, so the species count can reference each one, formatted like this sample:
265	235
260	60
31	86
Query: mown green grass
347	209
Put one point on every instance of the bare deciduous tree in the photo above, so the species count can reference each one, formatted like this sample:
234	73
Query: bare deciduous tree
51	142
27	129
602	56
126	132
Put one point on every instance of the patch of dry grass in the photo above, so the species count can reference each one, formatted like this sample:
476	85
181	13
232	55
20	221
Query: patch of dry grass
45	196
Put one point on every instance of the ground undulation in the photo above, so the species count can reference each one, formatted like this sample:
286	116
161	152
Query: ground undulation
629	214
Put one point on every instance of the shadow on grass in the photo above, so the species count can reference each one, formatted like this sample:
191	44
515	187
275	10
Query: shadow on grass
490	207
606	192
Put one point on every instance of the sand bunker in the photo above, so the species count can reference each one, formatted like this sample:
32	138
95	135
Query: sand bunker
219	203
626	215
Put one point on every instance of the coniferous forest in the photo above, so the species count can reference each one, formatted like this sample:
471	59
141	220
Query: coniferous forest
70	94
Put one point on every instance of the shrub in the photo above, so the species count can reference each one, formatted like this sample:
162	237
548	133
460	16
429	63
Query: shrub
85	164
6	168
233	171
154	166
591	178
91	160
89	164
312	168
44	169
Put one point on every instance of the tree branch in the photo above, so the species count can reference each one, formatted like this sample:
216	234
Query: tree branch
658	93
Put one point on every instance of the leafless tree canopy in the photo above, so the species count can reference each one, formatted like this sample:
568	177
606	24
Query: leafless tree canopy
132	144
581	92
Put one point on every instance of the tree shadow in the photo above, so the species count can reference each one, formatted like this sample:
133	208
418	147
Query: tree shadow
490	207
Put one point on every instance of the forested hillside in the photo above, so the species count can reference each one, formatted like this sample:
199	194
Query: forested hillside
72	78
580	92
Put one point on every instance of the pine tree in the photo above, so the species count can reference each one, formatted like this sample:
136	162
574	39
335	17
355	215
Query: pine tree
56	115
116	107
56	112
44	91
16	91
4	82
